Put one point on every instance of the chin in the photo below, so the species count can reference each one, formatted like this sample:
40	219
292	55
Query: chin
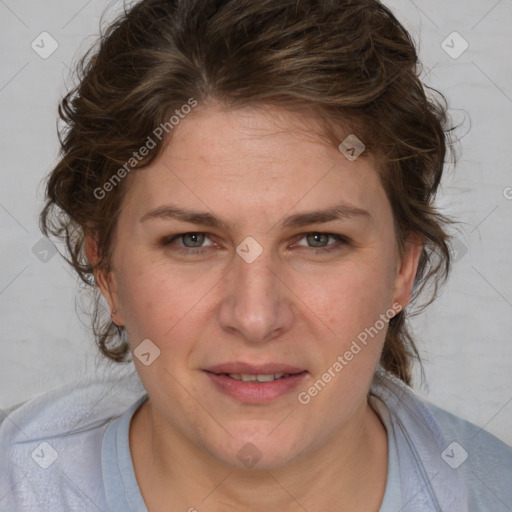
258	452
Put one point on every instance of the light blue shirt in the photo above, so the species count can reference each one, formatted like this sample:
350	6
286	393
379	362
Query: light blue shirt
68	450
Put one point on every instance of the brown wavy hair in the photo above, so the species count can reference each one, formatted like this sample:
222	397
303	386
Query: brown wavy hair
349	63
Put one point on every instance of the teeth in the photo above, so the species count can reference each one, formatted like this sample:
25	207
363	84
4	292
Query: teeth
260	378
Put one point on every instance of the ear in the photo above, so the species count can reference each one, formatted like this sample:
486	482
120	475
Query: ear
105	279
404	279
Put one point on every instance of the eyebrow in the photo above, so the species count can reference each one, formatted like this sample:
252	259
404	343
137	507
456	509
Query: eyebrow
338	212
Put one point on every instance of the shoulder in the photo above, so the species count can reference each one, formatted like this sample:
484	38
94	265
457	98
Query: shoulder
477	439
484	462
51	445
464	467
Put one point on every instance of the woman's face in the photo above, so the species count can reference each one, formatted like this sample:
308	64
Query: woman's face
290	258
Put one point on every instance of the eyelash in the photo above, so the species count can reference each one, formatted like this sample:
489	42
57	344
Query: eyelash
341	241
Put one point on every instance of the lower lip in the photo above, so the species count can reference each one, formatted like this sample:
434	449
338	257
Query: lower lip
256	392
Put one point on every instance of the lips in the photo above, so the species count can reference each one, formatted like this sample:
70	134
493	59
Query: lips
252	369
255	384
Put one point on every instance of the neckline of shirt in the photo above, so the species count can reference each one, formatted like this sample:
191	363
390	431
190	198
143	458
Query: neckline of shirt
122	490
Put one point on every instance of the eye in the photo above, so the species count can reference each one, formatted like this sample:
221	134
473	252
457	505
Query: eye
197	242
323	241
188	242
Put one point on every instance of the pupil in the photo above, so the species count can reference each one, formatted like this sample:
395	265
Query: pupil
317	239
196	238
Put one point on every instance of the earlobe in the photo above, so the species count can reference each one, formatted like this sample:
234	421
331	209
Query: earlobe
107	284
105	280
404	280
91	250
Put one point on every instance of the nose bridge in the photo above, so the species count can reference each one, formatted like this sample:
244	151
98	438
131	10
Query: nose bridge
255	285
255	303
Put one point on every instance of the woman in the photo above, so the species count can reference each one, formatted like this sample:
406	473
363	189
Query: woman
250	186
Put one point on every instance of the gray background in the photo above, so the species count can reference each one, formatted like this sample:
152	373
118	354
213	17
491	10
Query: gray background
464	337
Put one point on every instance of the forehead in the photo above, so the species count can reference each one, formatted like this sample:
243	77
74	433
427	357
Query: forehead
251	137
254	158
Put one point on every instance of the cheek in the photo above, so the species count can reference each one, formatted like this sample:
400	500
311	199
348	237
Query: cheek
352	297
158	298
350	303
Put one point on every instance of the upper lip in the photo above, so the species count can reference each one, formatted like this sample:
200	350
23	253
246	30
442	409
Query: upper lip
254	369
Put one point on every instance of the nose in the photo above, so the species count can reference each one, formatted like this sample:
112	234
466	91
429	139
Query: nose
256	304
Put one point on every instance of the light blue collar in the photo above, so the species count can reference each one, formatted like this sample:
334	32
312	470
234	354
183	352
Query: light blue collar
427	481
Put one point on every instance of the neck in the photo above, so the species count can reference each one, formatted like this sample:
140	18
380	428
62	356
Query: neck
350	468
